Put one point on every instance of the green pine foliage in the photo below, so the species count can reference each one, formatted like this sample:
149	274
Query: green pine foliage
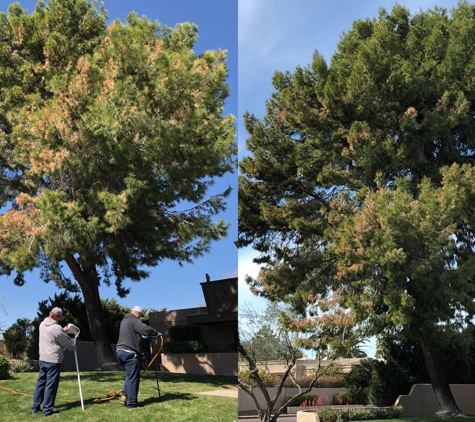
360	180
110	138
358	381
387	383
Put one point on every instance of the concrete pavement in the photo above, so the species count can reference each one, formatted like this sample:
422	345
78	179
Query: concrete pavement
229	392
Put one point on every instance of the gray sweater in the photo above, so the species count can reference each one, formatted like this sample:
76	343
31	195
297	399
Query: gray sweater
131	331
53	340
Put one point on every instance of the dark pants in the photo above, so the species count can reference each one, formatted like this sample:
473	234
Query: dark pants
46	387
131	363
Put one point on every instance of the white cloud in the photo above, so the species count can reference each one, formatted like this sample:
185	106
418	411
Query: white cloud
248	268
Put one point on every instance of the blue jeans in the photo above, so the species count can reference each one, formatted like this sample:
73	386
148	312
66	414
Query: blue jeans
131	363
46	387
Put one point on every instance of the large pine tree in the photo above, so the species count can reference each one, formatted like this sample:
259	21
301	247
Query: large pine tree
104	130
360	182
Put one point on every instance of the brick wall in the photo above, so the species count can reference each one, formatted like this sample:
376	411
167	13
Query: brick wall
218	338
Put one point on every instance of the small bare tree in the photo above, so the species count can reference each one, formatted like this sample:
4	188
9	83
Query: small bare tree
290	334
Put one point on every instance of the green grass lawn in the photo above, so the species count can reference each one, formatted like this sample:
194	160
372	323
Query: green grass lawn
431	419
179	400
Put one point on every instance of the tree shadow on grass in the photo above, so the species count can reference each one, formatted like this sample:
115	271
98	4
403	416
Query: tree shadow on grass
168	397
94	376
216	380
63	406
113	376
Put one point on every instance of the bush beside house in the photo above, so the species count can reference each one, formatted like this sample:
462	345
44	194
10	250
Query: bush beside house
4	368
184	339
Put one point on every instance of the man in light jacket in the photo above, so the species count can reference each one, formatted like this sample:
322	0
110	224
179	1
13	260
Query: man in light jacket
53	340
128	352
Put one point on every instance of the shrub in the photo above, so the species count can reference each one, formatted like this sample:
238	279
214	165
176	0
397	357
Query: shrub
184	332
4	368
331	381
358	381
324	381
309	398
388	382
341	399
186	346
333	370
268	379
389	413
17	366
344	415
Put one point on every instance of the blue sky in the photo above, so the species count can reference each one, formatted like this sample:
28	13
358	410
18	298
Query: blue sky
168	285
280	35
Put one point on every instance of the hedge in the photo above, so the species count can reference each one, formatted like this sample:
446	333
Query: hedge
344	415
4	368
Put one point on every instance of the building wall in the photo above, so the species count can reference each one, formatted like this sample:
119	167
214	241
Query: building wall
303	366
162	321
200	363
218	338
86	354
421	401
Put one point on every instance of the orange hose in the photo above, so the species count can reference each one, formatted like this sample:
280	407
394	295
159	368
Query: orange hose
113	394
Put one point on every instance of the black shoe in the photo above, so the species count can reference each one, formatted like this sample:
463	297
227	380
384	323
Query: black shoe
55	412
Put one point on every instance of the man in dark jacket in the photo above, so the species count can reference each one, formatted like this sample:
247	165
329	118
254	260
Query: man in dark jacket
128	352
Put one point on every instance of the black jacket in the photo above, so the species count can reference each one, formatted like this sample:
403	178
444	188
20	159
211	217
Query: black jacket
131	331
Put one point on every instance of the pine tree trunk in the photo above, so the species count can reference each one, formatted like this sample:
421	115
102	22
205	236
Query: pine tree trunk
88	281
443	394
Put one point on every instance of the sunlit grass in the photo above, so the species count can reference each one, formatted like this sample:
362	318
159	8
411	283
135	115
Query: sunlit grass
179	401
428	419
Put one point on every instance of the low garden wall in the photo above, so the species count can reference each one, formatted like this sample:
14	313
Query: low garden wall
200	363
179	363
246	404
421	401
86	354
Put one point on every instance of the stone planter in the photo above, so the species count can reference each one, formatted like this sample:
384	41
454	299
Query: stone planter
307	416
